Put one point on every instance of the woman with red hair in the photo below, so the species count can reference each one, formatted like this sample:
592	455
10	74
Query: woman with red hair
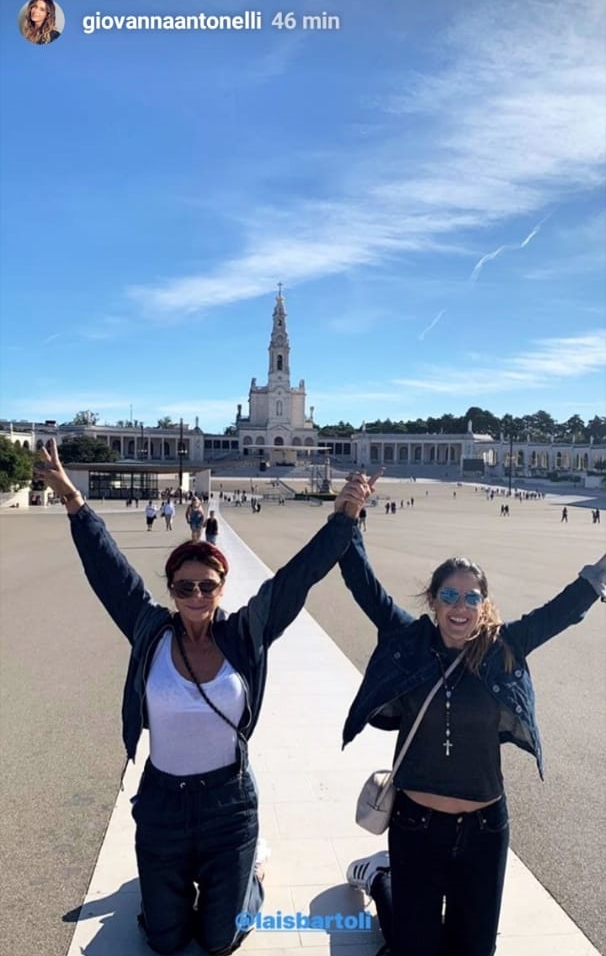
196	679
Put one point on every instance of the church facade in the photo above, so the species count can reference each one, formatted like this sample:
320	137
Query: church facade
278	431
277	427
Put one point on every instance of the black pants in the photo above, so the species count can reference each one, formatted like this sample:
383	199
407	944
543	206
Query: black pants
196	830
442	896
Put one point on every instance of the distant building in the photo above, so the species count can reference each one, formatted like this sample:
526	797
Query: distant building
278	431
277	427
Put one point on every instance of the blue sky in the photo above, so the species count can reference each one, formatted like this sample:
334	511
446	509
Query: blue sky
427	181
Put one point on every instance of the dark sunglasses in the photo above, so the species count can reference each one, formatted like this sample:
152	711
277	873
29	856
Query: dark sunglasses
185	589
451	596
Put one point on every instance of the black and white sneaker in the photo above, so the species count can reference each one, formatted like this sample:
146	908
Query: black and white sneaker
361	873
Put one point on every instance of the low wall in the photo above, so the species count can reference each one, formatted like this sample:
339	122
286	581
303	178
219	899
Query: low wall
15	499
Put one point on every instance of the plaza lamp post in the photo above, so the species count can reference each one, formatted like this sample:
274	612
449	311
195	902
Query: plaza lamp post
510	474
181	453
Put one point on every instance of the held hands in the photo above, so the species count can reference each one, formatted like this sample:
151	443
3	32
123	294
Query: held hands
596	575
355	492
49	468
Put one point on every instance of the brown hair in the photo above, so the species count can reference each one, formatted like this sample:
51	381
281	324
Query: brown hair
200	551
42	33
490	622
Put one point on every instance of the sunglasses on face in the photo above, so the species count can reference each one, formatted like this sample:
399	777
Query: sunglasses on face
451	596
185	589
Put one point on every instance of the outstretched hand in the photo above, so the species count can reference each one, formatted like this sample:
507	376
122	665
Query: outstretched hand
48	467
355	492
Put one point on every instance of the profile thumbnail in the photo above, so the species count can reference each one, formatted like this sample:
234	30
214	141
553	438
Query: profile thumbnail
41	21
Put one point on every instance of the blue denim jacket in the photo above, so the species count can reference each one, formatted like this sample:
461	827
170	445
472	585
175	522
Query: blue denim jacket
243	636
403	660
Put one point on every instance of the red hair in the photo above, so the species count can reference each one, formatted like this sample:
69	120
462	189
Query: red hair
200	551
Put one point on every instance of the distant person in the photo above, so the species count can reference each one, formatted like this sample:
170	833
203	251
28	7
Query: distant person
39	23
438	890
362	519
168	513
211	528
564	515
195	518
150	515
196	679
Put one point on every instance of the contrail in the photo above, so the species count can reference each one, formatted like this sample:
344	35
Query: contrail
493	255
490	255
536	229
431	325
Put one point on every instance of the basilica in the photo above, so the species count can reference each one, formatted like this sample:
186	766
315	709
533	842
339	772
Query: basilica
279	431
277	424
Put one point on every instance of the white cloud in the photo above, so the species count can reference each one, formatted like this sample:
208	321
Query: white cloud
507	127
547	364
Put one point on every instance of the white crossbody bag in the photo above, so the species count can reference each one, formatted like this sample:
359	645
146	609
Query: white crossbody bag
375	803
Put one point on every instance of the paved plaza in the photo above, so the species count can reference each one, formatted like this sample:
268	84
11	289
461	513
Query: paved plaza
62	674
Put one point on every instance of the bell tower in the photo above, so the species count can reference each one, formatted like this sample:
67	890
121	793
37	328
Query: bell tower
279	347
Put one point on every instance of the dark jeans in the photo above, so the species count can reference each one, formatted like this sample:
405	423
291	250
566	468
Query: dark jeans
200	830
447	875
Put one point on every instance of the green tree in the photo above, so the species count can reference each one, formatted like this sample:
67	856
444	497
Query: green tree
86	448
165	422
539	426
518	427
15	465
575	430
482	421
341	430
84	418
596	428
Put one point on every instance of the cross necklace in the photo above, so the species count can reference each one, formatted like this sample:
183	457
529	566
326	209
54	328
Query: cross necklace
448	691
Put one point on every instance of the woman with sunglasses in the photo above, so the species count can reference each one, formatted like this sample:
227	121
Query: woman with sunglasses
196	679
438	889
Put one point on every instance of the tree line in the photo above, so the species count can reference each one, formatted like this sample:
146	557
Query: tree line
539	426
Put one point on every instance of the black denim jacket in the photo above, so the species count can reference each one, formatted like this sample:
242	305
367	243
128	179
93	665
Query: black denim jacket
403	660
243	636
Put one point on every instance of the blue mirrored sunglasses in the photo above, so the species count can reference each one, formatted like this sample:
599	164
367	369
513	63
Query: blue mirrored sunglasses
452	596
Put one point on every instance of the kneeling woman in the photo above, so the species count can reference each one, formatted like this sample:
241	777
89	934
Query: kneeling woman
438	891
196	678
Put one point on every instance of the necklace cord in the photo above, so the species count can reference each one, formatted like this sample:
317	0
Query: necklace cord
213	706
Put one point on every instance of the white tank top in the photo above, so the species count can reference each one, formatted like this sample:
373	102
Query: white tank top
186	736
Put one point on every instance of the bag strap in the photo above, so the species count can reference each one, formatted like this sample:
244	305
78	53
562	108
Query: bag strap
432	693
212	706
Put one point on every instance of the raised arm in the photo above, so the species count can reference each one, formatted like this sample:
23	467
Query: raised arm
367	590
360	578
280	599
565	609
115	582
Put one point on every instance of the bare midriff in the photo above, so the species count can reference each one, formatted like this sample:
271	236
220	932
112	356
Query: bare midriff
447	804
